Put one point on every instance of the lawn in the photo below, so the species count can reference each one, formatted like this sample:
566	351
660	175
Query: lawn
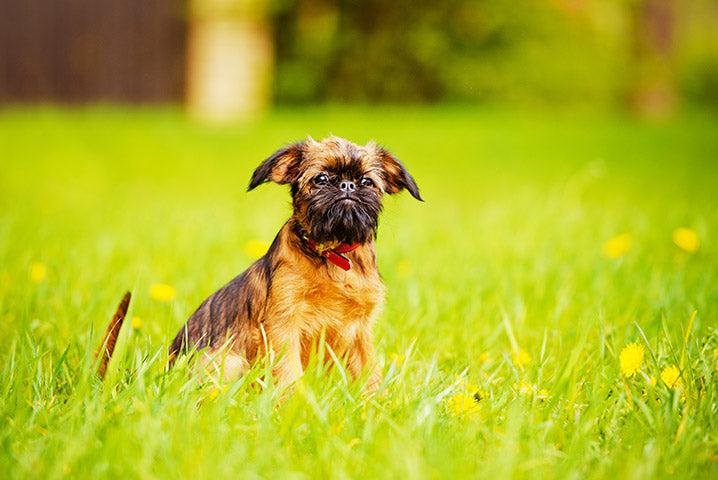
547	244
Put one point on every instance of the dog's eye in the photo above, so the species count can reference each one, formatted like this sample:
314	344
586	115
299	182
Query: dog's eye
321	179
367	182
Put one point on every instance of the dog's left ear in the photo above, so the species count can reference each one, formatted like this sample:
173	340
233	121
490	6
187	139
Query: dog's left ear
396	176
282	167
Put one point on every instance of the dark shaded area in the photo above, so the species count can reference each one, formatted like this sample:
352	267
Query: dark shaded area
85	50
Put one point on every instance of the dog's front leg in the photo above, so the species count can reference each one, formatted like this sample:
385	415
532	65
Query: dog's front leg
361	359
286	351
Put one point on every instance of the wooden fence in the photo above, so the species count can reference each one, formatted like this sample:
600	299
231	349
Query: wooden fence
92	50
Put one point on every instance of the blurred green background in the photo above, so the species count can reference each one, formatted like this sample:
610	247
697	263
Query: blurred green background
559	52
242	56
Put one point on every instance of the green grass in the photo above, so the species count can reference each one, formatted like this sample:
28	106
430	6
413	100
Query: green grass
506	252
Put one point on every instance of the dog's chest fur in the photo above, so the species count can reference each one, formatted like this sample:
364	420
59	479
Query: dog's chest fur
315	297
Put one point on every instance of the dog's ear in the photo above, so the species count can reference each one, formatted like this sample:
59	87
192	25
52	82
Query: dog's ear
282	167
396	176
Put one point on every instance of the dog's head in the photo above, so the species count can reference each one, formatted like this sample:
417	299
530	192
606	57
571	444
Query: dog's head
337	186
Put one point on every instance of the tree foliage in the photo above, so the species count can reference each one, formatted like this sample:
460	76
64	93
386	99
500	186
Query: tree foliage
527	51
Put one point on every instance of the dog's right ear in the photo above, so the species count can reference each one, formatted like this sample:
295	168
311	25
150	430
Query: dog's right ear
282	167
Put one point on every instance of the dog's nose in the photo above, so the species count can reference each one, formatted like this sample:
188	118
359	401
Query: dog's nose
347	186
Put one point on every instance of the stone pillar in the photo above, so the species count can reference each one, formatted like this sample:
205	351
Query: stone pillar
230	59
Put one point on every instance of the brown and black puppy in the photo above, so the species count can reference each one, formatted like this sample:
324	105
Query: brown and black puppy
319	277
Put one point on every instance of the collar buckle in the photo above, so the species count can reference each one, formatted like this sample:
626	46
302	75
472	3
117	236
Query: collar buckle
334	255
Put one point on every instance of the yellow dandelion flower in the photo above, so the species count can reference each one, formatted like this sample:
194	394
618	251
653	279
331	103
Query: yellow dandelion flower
404	269
686	239
336	428
521	358
671	376
255	248
652	381
525	388
463	404
398	358
136	323
484	357
631	358
162	292
37	272
617	246
214	392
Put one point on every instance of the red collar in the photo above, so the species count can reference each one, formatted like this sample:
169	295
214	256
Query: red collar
334	255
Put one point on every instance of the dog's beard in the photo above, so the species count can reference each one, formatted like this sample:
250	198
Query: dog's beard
345	219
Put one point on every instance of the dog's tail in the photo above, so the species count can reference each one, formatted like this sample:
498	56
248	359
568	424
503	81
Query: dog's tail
113	330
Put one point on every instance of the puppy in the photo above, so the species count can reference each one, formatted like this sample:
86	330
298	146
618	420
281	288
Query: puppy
319	277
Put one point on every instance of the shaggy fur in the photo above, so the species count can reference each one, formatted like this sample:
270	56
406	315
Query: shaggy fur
280	307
